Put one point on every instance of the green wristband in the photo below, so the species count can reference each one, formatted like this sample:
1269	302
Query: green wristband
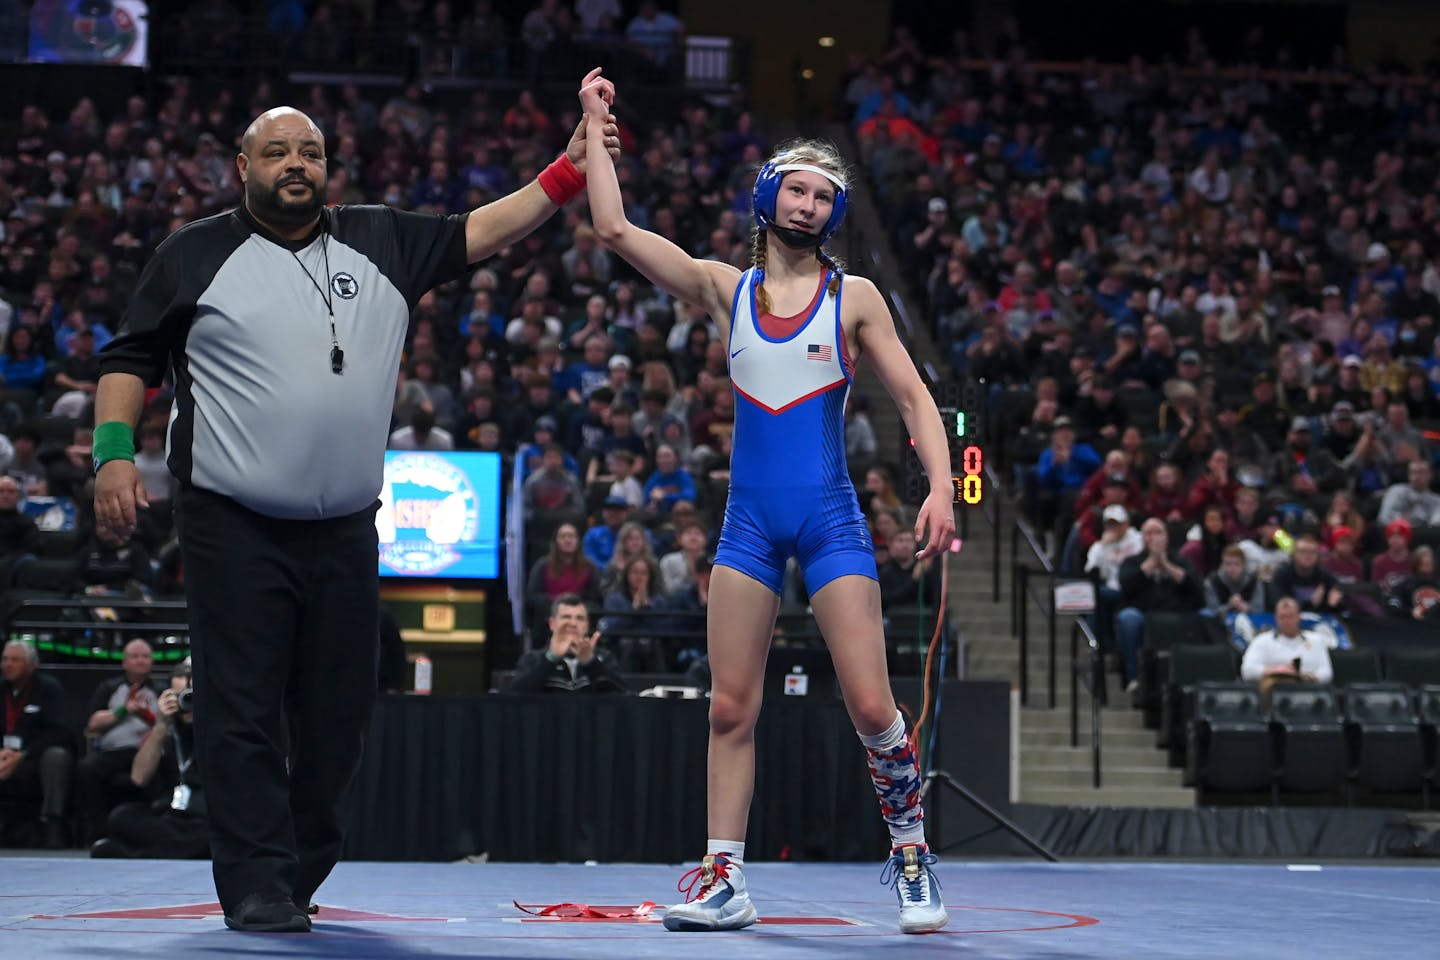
113	440
120	712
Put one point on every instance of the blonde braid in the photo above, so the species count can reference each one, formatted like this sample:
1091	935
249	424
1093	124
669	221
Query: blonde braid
757	256
834	264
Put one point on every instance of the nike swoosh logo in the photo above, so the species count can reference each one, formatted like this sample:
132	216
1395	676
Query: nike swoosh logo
738	352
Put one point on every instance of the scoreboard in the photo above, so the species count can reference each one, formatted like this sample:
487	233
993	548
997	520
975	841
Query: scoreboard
970	485
962	412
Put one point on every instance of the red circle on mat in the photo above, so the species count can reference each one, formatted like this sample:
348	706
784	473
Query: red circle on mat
1073	920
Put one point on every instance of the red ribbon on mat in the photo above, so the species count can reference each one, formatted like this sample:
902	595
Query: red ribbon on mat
582	911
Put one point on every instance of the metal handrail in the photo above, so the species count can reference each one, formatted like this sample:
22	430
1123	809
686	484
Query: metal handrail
38	620
112	626
993	509
1090	673
1021	574
90	602
15	616
1092	677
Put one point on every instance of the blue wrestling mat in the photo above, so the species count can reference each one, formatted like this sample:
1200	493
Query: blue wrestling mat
146	909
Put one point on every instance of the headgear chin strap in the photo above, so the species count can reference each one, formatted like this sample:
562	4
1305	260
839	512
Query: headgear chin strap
796	239
767	190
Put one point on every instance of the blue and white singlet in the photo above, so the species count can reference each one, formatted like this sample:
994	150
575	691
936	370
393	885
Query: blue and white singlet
790	488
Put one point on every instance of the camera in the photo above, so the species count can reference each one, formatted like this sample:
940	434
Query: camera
186	699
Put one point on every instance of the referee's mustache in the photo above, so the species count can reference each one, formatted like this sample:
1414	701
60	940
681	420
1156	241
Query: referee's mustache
296	178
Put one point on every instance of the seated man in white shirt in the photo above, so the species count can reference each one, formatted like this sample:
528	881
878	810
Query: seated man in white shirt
1118	542
1286	654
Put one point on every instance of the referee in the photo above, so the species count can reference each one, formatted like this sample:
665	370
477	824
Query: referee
282	323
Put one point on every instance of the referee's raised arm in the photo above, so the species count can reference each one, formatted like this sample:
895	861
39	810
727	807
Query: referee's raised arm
497	225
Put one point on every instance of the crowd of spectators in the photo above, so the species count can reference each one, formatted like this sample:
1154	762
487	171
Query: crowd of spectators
609	400
1203	300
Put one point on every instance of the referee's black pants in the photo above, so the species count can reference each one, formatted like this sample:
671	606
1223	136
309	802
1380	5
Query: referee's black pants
284	633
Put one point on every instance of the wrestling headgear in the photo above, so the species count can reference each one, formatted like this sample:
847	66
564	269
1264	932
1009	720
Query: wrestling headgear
767	189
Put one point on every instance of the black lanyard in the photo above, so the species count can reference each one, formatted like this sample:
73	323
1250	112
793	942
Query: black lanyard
337	356
182	761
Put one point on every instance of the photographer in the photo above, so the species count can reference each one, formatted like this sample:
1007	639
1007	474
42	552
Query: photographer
572	664
121	713
173	826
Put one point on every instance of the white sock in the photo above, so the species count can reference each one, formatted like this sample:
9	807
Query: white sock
889	738
734	850
905	836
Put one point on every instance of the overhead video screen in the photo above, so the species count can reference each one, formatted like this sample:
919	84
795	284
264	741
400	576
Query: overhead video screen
90	32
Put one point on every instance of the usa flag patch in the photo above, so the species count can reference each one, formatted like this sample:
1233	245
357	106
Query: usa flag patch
816	351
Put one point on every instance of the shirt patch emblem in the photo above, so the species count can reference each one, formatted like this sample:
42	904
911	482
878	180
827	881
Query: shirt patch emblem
344	286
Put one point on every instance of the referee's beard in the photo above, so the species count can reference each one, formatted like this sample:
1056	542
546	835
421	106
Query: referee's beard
269	204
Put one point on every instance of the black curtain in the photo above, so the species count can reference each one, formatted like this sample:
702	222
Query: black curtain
555	778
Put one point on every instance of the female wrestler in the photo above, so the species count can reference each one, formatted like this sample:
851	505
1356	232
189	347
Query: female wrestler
794	325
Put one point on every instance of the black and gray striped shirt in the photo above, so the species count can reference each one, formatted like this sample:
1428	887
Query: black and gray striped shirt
259	415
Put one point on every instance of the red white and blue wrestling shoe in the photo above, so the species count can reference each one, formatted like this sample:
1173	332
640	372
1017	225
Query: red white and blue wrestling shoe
908	871
721	903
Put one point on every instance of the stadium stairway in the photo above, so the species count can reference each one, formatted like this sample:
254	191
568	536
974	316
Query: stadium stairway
1133	770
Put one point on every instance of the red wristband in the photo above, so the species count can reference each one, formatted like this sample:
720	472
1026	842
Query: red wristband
561	181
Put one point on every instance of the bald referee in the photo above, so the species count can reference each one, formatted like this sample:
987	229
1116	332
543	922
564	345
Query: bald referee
282	322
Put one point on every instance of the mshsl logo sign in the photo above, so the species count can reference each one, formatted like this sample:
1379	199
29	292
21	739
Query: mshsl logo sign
426	507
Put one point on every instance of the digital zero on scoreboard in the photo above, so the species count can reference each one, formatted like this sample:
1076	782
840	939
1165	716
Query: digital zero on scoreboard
970	483
970	486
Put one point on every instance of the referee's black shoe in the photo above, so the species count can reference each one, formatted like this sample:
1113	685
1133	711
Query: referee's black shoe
261	913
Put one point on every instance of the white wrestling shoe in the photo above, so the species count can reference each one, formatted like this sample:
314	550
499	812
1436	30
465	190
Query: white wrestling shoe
722	902
908	871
